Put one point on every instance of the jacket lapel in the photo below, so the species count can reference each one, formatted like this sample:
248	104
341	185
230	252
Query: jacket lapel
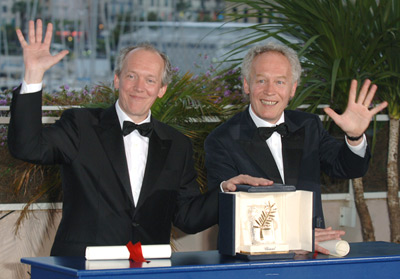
260	153
257	149
292	151
110	134
156	158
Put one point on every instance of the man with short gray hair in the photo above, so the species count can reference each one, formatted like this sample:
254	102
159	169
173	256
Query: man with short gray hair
289	147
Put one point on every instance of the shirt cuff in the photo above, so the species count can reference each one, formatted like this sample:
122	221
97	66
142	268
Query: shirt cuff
30	88
220	186
358	149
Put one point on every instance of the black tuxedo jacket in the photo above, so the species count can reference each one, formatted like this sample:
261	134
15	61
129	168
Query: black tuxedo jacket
98	207
235	148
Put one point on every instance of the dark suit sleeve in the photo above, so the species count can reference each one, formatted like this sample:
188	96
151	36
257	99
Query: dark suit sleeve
337	160
219	163
195	211
28	140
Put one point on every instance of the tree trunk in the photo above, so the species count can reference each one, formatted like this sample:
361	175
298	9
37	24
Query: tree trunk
393	181
367	229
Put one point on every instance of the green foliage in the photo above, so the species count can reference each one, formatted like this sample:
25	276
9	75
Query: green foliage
152	16
97	96
388	24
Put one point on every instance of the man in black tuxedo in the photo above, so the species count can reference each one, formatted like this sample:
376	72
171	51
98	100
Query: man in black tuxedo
297	150
121	182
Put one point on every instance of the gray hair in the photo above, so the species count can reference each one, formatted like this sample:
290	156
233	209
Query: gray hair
167	73
288	52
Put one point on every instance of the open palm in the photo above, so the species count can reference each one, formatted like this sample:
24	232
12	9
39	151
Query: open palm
37	56
357	116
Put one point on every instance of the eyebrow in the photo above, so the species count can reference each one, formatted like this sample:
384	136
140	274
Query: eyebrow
146	75
260	75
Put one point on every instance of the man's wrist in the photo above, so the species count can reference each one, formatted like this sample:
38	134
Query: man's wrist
358	147
354	138
33	76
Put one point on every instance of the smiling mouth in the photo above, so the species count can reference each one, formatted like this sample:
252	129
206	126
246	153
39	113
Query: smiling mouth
269	103
136	97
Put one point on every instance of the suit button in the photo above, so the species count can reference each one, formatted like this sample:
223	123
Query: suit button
134	224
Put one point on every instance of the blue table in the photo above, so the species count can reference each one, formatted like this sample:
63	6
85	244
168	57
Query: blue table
365	260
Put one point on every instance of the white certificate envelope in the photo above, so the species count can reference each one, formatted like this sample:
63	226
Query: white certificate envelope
161	251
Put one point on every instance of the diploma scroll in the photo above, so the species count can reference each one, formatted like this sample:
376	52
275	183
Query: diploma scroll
338	248
161	251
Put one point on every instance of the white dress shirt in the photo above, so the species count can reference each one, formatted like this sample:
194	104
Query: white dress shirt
136	150
275	143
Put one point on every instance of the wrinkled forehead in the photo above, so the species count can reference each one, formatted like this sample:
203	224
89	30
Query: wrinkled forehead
142	52
271	62
142	58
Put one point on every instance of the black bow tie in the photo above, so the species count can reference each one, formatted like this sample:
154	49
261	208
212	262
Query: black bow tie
144	129
266	132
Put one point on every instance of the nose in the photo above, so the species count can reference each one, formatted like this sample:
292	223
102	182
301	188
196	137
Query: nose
139	84
269	88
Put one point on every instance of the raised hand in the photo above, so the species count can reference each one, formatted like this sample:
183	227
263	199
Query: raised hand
37	56
357	116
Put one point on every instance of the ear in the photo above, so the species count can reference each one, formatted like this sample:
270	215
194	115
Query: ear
162	91
246	86
116	82
293	90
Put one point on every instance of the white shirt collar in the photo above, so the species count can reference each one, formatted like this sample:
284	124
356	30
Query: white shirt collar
261	122
122	116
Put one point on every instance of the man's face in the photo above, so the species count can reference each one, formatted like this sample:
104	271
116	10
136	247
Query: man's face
140	83
270	85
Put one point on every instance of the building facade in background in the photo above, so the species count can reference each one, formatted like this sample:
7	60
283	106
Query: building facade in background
94	30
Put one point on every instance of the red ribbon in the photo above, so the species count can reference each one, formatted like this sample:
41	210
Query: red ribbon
135	251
